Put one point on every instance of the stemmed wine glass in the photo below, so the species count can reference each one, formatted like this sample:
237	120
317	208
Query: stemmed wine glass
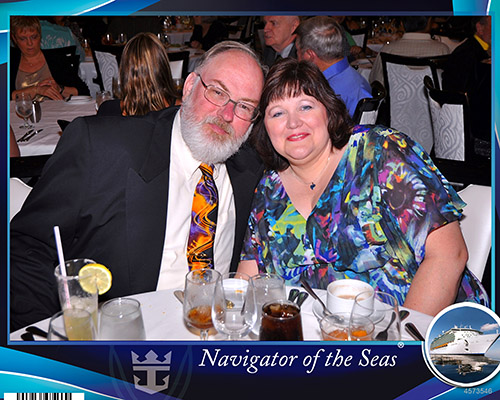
24	108
234	310
199	292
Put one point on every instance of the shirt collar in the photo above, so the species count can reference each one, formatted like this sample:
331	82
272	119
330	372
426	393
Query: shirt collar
286	51
336	68
483	44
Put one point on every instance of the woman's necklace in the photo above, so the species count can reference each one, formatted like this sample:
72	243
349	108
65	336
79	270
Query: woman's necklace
312	185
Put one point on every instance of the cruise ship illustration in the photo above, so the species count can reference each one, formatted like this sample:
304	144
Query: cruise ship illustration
463	341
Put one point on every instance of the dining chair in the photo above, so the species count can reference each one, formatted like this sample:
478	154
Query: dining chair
476	226
408	108
360	36
179	63
106	67
366	112
453	151
66	55
18	191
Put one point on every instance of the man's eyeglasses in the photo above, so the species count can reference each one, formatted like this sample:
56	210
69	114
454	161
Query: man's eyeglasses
220	98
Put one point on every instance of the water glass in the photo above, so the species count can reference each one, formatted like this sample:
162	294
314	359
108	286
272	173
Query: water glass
267	287
73	291
281	321
101	97
384	313
233	309
24	108
345	326
121	319
71	324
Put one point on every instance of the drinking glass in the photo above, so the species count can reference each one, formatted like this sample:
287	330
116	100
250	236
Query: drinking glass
72	324
121	319
101	97
199	292
122	38
281	321
71	288
267	287
117	87
233	309
346	326
24	108
384	313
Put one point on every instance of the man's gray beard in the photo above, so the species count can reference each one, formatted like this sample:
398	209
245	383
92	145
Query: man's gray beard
208	147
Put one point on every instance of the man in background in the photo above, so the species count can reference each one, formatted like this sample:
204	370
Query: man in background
279	37
320	41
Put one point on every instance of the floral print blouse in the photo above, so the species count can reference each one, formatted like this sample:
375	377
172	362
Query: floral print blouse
370	223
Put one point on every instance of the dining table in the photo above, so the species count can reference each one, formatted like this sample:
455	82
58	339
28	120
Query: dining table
163	319
179	36
48	130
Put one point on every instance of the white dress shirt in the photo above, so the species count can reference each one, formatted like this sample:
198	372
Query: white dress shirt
184	176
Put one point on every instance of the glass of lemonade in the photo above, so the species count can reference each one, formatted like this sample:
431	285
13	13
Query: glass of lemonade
121	319
71	324
75	293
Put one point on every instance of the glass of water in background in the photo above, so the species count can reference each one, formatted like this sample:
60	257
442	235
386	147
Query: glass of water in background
267	287
101	97
121	319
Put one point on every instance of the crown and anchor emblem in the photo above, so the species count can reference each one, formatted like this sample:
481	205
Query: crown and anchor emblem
154	369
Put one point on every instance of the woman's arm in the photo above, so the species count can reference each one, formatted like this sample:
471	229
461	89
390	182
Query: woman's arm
437	279
248	267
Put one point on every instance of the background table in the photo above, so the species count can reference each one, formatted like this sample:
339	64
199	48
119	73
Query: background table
46	140
163	320
179	37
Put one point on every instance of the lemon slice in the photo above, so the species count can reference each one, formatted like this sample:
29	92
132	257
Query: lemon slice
102	275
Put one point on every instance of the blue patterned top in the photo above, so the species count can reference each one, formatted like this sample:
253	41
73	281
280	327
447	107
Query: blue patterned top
370	223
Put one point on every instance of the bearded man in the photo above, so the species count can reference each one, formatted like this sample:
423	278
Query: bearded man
121	189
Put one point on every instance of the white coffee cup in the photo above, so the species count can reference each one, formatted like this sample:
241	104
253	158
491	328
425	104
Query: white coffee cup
341	294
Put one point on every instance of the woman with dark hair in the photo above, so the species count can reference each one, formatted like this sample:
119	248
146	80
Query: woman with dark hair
145	78
338	202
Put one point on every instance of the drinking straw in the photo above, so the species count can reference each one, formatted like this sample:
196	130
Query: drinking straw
62	264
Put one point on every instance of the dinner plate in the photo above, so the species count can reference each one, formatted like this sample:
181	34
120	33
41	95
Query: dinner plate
80	99
318	312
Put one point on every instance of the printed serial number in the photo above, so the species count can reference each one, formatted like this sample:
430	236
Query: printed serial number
472	391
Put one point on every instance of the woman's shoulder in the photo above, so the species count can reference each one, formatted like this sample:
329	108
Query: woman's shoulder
382	136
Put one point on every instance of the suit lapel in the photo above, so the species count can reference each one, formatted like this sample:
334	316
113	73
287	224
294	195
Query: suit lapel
146	207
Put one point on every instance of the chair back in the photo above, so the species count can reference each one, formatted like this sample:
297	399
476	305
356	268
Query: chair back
366	112
106	67
179	63
360	37
476	226
18	191
450	123
408	105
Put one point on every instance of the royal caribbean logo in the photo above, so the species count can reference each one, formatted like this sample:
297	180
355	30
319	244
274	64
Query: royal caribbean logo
151	371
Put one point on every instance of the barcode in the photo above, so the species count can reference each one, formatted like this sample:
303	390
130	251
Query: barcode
44	396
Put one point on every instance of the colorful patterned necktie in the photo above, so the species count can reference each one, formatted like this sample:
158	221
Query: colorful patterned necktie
203	221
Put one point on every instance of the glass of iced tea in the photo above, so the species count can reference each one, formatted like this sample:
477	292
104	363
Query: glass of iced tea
281	321
199	292
346	326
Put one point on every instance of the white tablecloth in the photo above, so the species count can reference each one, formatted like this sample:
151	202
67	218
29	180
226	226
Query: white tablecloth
363	66
46	140
162	314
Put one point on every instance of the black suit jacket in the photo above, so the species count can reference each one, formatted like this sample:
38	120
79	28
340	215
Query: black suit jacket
106	187
269	55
